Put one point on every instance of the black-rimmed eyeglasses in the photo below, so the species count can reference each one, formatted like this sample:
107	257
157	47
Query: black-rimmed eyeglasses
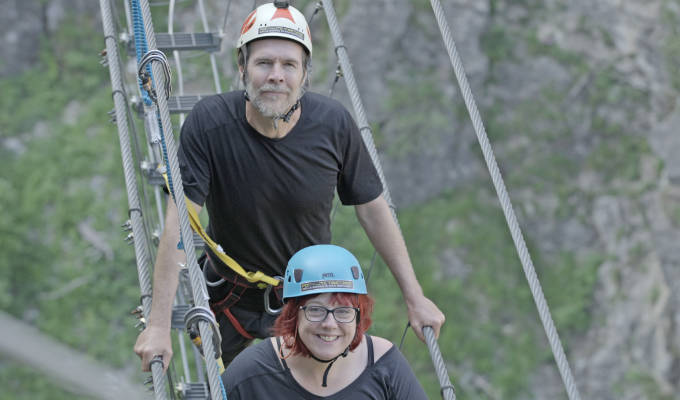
341	314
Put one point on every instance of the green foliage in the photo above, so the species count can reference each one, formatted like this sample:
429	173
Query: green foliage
22	383
569	282
68	59
566	58
671	45
639	378
675	216
68	176
610	87
619	158
425	102
498	44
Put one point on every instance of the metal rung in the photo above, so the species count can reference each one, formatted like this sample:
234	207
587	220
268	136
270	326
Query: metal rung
188	41
178	313
192	391
154	178
183	104
167	42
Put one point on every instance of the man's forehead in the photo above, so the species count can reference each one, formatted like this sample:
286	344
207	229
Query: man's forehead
276	46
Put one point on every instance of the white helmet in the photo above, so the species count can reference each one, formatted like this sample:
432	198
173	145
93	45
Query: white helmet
278	20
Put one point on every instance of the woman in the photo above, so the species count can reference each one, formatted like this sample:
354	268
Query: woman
320	350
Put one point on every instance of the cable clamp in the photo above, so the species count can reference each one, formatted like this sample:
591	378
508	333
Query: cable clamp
319	6
192	318
338	47
441	391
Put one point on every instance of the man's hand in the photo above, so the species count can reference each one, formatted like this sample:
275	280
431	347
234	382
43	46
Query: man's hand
154	342
423	312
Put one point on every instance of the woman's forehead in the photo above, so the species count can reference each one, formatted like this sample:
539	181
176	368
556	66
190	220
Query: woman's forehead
329	299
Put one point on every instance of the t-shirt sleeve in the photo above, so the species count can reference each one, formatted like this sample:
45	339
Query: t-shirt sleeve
403	381
193	158
358	181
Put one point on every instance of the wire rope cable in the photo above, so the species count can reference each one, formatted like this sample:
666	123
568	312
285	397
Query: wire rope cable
365	129
213	61
226	15
196	276
176	56
362	121
510	217
447	391
141	254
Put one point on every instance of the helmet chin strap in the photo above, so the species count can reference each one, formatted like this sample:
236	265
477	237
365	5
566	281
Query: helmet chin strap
331	361
286	117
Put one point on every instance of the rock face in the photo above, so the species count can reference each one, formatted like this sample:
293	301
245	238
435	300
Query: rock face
24	24
569	82
579	100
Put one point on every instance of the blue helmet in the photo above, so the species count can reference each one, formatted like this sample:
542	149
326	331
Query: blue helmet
323	268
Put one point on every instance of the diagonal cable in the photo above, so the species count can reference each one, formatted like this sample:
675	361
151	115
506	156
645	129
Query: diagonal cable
367	136
510	217
196	277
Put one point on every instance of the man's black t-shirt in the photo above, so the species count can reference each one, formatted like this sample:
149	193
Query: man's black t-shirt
268	198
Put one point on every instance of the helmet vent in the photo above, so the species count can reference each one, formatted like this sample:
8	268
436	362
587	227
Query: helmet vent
355	272
281	4
298	274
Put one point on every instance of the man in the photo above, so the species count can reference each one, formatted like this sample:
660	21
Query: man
266	162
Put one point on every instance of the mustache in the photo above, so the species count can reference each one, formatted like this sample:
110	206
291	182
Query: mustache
273	88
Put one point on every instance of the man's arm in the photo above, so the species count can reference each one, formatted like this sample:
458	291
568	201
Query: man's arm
376	219
155	339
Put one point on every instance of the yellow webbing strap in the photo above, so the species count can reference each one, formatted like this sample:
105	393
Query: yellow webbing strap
250	276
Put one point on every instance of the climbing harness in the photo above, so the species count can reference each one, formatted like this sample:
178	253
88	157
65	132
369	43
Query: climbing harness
258	277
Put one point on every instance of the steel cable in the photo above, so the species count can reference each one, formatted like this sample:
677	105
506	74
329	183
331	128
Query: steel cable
196	277
357	104
447	391
367	136
139	238
510	217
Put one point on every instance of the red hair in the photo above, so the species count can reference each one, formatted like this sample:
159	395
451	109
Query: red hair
286	323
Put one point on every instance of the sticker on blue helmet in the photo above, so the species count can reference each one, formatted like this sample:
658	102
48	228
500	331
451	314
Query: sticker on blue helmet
326	284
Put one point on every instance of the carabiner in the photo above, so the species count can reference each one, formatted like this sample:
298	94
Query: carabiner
267	292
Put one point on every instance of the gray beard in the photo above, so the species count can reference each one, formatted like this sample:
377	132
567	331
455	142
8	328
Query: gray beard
264	108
